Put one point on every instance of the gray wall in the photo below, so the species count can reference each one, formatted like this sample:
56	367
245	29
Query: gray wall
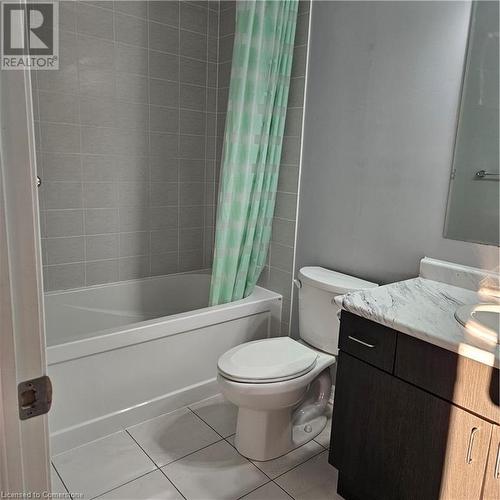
381	108
126	141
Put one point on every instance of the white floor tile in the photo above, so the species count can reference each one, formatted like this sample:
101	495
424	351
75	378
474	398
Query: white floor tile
172	436
152	486
57	485
219	413
217	472
323	438
280	465
267	492
102	465
316	479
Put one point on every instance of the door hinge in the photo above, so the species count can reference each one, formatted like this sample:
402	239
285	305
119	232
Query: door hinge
34	397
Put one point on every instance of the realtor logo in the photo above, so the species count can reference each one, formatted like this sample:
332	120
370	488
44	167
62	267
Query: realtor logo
30	37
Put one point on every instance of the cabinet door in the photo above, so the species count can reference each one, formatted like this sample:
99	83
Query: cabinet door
492	477
392	440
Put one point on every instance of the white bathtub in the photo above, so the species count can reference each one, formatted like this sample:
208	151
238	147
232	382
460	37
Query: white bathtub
121	353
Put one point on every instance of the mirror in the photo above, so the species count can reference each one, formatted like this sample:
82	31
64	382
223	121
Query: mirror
473	200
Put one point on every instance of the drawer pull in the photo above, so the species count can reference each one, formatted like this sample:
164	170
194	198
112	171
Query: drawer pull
496	474
366	344
473	432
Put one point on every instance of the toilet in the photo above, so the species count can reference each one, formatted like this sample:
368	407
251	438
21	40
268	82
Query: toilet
282	386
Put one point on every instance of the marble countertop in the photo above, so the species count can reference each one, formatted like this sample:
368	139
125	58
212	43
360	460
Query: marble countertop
424	309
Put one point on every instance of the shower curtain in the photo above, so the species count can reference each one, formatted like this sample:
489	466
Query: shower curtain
253	138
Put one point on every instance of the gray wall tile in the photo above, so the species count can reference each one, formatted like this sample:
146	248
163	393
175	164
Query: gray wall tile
163	66
57	107
193	45
165	240
130	268
163	38
132	88
189	260
61	195
164	194
101	220
194	18
163	93
64	276
131	30
138	8
130	59
101	271
94	21
61	167
64	250
60	138
100	194
133	244
64	223
164	12
94	52
165	263
101	246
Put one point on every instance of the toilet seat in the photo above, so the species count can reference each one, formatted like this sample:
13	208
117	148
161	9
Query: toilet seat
266	361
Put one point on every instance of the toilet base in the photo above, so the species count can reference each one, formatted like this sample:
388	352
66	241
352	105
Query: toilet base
262	435
270	434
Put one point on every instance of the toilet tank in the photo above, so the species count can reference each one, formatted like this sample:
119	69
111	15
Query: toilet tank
318	321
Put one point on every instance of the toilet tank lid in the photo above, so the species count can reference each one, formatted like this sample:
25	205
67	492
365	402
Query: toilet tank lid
332	281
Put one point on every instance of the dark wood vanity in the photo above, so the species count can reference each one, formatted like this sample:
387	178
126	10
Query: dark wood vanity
412	420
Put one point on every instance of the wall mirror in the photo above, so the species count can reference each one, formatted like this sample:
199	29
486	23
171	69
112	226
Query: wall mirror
473	200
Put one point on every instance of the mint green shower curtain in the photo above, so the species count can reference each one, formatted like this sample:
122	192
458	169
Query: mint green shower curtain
253	138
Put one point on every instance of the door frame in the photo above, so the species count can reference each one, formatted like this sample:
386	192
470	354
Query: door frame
24	444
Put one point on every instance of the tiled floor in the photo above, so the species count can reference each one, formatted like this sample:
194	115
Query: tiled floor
189	454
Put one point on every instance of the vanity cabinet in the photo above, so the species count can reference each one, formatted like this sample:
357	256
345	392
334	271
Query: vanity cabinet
398	432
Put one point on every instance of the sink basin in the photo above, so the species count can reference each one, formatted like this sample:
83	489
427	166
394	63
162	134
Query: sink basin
483	318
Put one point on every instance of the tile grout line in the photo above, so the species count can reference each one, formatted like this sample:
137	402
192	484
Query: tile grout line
254	489
148	72
80	158
126	482
283	489
294	467
60	478
155	464
302	463
178	160
204	421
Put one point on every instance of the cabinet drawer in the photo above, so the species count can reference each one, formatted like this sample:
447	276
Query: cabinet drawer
463	381
368	341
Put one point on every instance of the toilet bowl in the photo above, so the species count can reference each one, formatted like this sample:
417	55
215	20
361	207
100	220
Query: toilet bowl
281	386
282	408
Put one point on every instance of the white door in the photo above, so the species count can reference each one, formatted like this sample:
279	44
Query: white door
24	444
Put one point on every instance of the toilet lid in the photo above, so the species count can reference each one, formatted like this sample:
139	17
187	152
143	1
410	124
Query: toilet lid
268	360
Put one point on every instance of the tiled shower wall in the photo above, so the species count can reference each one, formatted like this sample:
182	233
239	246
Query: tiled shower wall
126	132
126	195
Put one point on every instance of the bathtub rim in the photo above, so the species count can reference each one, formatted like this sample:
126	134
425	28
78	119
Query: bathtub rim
260	300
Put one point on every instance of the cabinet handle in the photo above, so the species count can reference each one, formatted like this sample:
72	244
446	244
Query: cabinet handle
468	459
354	339
496	474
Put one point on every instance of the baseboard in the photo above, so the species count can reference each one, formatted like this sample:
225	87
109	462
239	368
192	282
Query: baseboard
88	431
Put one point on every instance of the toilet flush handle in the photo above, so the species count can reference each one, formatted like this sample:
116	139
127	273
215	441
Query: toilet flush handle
297	283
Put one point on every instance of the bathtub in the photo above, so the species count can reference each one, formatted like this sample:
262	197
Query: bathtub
121	353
